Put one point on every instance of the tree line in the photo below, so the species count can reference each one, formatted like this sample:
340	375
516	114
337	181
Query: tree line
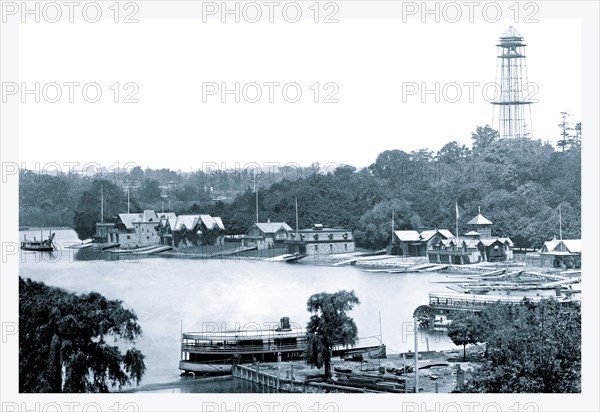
520	185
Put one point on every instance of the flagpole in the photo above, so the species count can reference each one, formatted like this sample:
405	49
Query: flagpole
256	192
456	204
296	215
560	222
393	213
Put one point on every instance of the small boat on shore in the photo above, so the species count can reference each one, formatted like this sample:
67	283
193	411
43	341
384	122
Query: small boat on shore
35	245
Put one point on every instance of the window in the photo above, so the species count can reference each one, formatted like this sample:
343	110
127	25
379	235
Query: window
345	246
316	236
128	237
316	248
330	236
345	235
331	248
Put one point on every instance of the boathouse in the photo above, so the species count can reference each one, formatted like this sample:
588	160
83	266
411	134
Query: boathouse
565	254
191	230
454	251
135	229
320	241
104	233
475	246
267	235
413	243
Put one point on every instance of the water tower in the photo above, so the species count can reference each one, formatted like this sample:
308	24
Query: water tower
512	107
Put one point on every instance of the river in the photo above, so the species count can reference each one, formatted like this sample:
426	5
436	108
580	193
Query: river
169	294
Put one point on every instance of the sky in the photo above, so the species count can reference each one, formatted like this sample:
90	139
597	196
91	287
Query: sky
372	71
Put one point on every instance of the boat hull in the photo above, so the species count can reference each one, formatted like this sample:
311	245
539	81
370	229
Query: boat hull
197	367
38	249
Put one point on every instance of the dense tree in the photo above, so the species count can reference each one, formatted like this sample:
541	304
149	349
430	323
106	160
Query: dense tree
88	210
63	341
465	329
329	326
149	191
530	348
453	152
483	138
374	227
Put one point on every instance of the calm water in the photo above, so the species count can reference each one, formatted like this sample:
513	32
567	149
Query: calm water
168	294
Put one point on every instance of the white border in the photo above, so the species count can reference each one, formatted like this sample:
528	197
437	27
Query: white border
586	401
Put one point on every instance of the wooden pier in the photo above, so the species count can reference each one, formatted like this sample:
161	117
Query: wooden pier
285	384
347	383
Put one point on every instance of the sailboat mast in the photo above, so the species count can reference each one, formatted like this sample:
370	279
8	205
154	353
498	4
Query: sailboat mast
296	215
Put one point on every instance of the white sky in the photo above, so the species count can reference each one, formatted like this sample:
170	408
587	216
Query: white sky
369	59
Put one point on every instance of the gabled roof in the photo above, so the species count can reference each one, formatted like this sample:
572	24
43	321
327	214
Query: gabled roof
187	221
448	242
479	220
549	246
272	227
491	241
472	233
471	243
446	233
219	222
561	246
212	222
128	218
407	235
428	234
505	240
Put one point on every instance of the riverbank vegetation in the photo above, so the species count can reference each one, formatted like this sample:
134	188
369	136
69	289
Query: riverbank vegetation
65	342
520	185
530	347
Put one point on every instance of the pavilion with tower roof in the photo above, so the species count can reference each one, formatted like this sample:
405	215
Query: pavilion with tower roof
483	226
475	246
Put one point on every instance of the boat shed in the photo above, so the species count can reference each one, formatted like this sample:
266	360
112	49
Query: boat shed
565	254
267	235
320	241
413	243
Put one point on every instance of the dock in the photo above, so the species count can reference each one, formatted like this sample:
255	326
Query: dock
288	383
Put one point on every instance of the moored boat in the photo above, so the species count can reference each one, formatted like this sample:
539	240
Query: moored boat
35	245
214	352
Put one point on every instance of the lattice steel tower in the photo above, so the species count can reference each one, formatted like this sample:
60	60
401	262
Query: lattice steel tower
512	107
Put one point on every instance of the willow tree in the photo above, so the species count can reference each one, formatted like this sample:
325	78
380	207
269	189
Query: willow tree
65	341
329	325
